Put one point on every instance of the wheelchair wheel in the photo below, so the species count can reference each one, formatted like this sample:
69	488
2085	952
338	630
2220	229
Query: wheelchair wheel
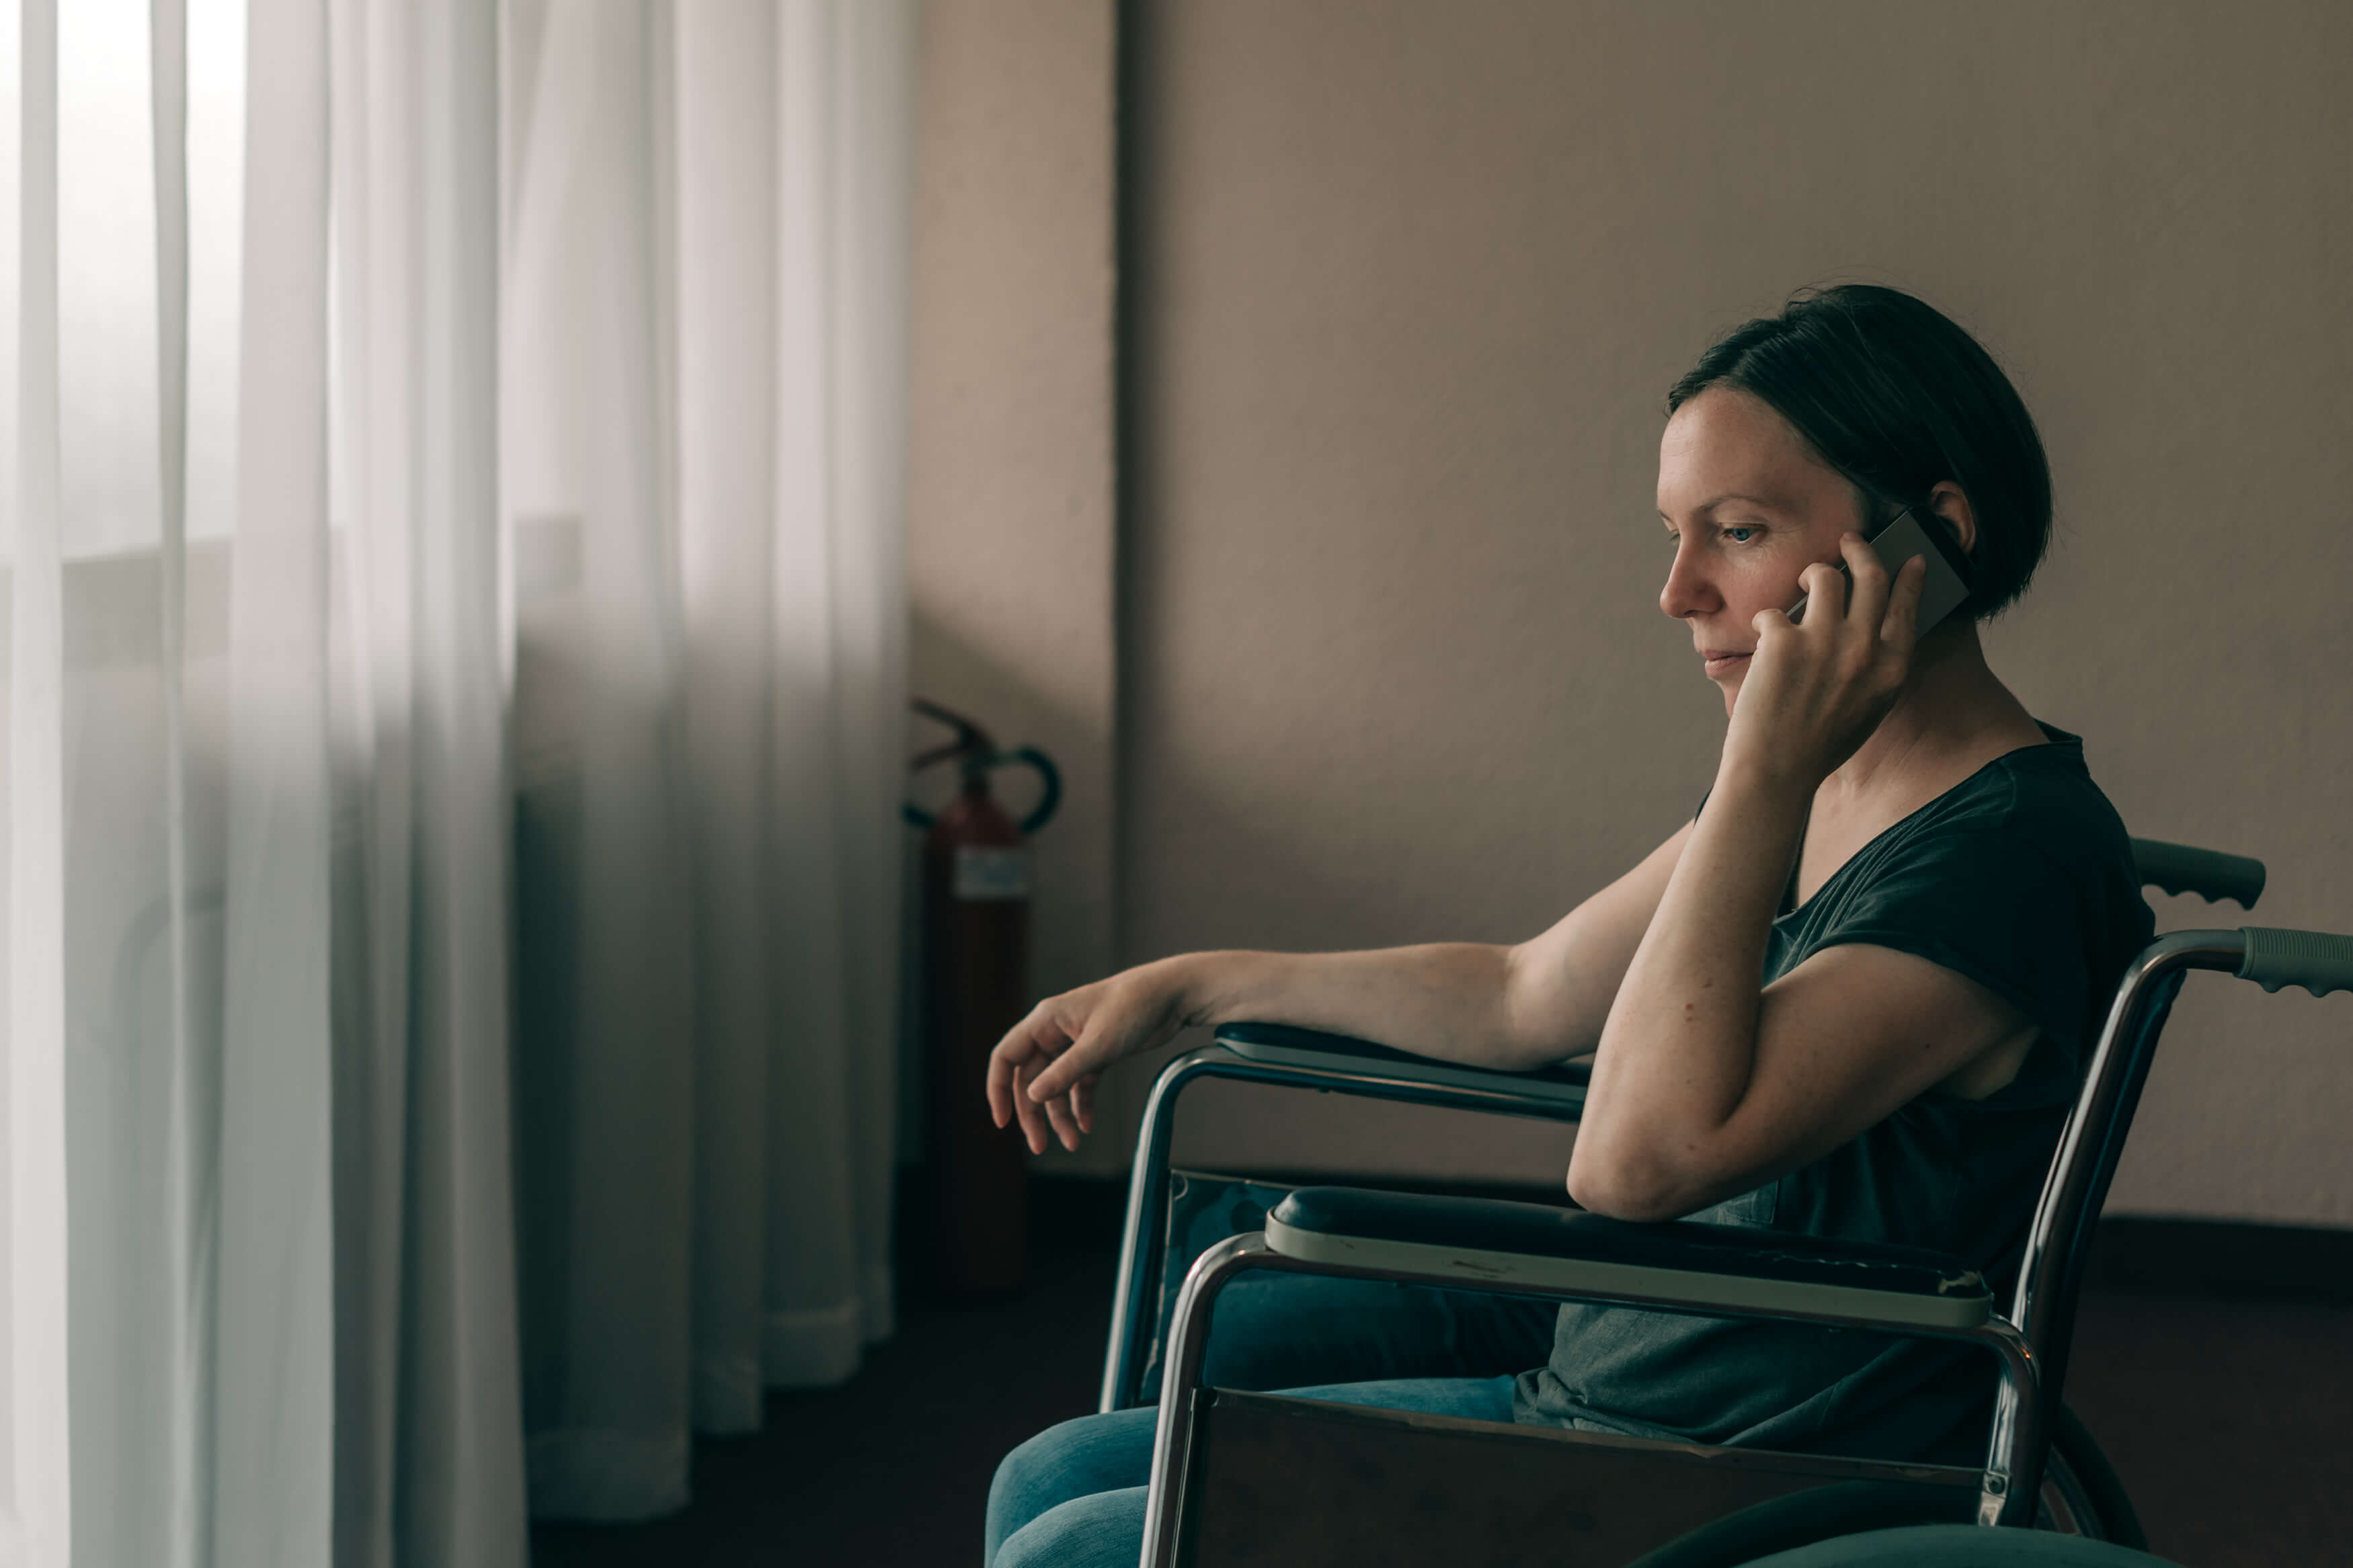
1801	1519
2082	1494
2080	1497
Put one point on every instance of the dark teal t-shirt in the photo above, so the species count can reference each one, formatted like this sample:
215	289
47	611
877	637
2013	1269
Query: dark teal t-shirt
2021	878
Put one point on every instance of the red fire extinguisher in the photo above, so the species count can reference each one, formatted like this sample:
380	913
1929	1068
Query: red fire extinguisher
976	987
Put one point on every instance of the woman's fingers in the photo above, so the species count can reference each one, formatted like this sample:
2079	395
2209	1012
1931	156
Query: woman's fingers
1043	1072
1827	591
1032	1115
1884	603
1869	599
1902	627
1000	1085
1016	1048
1055	1079
1030	1045
1885	615
1057	1111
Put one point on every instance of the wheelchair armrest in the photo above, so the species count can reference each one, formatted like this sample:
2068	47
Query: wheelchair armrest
1282	1044
1538	1248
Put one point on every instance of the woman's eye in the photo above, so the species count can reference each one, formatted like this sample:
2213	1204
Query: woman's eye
1743	532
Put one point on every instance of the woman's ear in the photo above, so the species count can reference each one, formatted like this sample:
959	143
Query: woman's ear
1947	502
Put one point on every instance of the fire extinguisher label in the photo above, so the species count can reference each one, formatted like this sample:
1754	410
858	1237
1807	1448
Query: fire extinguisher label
989	874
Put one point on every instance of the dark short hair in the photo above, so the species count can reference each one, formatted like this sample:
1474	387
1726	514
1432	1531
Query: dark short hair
1888	391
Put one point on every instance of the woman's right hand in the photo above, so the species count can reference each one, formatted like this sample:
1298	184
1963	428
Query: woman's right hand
1045	1068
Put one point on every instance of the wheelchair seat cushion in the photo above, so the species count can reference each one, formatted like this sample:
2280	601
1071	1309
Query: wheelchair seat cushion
1498	1243
1959	1546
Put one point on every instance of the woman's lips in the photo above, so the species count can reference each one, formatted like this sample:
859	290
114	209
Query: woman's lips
1724	664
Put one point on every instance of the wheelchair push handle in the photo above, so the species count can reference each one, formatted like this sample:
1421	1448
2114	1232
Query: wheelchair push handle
2209	873
2319	961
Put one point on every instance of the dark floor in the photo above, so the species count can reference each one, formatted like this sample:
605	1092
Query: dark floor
2230	1421
892	1468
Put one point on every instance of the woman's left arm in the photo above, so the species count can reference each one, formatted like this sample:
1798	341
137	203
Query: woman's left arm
1707	1083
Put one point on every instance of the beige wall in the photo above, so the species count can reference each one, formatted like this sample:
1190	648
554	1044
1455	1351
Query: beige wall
1010	490
1414	279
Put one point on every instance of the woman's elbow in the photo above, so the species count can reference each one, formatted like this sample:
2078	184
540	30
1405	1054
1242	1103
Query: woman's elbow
1624	1189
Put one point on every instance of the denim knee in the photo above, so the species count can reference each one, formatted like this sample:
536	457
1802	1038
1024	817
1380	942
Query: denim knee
1102	1530
1078	1458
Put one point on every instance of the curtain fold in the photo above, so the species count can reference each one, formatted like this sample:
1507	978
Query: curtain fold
429	1465
705	332
256	1283
38	1523
271	1374
452	693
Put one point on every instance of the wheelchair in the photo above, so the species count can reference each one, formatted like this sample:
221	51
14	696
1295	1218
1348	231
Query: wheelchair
1370	1485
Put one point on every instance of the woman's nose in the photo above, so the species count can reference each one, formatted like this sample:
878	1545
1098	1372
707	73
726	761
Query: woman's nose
1688	592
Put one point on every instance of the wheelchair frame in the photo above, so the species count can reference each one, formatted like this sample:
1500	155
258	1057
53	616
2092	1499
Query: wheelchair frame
1308	1058
2030	1345
1138	1289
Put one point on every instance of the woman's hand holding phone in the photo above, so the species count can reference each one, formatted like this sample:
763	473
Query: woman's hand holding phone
1816	690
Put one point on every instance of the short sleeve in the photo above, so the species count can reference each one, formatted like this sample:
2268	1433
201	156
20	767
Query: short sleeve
2046	919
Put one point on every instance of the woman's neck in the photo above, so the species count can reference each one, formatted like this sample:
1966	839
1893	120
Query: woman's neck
1954	713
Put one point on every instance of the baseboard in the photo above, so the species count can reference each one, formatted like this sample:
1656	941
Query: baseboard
2135	1255
2143	1254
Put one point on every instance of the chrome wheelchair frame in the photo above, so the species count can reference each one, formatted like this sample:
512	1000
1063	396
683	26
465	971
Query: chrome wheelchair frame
2030	1345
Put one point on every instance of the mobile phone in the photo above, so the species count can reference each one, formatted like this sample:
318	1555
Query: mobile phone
1904	537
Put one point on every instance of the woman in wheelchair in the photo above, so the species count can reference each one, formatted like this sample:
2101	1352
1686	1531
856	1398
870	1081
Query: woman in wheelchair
1850	998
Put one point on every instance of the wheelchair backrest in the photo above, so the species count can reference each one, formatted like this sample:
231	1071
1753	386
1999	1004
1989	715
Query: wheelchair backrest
2093	1140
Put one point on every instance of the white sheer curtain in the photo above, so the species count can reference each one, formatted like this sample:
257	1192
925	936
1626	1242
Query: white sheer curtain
259	1299
351	817
704	364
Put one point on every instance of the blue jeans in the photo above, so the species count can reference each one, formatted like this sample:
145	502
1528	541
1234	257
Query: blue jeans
1072	1496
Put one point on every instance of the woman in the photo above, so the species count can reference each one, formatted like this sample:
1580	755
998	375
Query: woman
1852	997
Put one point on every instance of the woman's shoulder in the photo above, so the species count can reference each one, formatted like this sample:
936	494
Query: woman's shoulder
2042	794
2028	838
2022	878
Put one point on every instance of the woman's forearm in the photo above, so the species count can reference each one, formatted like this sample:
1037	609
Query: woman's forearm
1445	1000
1680	1044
